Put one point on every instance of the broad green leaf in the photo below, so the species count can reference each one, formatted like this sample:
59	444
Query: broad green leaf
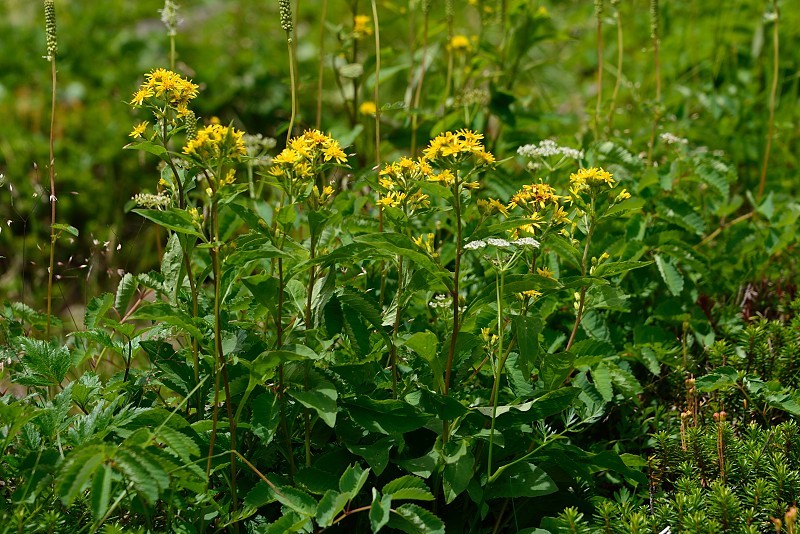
125	290
172	267
297	500
720	378
352	480
101	491
321	398
550	403
670	274
402	245
97	309
522	479
618	267
385	416
266	416
146	146
329	507
457	470
66	228
555	368
163	312
416	520
379	510
173	218
527	330
376	454
408	487
425	344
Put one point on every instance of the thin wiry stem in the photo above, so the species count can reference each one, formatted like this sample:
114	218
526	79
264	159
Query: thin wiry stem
52	195
376	97
320	70
772	97
293	85
618	81
598	105
418	92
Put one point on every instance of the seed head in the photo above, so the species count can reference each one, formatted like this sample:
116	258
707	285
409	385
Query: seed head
285	11
654	19
50	29
169	16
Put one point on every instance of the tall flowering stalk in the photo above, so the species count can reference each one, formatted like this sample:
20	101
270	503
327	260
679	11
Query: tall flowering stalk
458	156
52	50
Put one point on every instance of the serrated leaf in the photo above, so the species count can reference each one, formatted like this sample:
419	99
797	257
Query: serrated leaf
330	506
720	378
408	487
101	491
671	276
601	376
172	267
174	219
178	443
97	309
77	471
125	290
163	312
417	520
379	510
147	476
297	500
352	480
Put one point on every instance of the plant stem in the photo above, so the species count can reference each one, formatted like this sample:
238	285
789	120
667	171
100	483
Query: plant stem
599	15
320	70
654	30
396	326
52	194
498	371
454	294
584	268
376	98
293	85
618	81
772	97
418	91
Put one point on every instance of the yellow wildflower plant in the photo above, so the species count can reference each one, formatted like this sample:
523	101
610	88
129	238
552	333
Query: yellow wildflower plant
215	144
591	178
534	197
426	243
139	129
368	108
361	27
451	148
168	86
400	182
305	157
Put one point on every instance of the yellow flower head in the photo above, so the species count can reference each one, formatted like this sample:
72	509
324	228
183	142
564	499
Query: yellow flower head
457	147
368	108
534	197
361	26
460	43
303	158
591	178
166	85
139	129
215	143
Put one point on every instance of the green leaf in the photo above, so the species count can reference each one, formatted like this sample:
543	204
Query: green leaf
172	266
164	312
66	228
416	520
521	479
379	510
97	309
266	416
297	500
376	454
720	378
385	416
457	470
178	443
402	245
527	330
125	290
550	403
329	507
352	480
425	344
321	398
602	381
43	363
146	146
101	492
77	470
555	368
173	218
148	477
408	487
670	274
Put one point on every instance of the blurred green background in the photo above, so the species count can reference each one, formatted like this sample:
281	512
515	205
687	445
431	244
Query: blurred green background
716	67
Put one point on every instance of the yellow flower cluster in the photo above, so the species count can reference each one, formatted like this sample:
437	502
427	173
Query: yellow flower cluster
457	147
534	197
488	207
215	143
591	178
426	243
361	26
169	86
305	152
400	182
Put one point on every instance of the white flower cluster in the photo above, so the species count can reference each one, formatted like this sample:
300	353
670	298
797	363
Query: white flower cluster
440	301
671	139
501	243
547	148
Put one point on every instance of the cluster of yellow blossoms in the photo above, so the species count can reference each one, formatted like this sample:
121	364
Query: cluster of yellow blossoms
304	153
361	27
400	181
168	86
215	143
454	148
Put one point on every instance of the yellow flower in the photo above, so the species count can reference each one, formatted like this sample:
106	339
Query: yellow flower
368	108
623	195
460	43
334	152
591	177
545	272
216	142
425	242
361	26
140	96
139	129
